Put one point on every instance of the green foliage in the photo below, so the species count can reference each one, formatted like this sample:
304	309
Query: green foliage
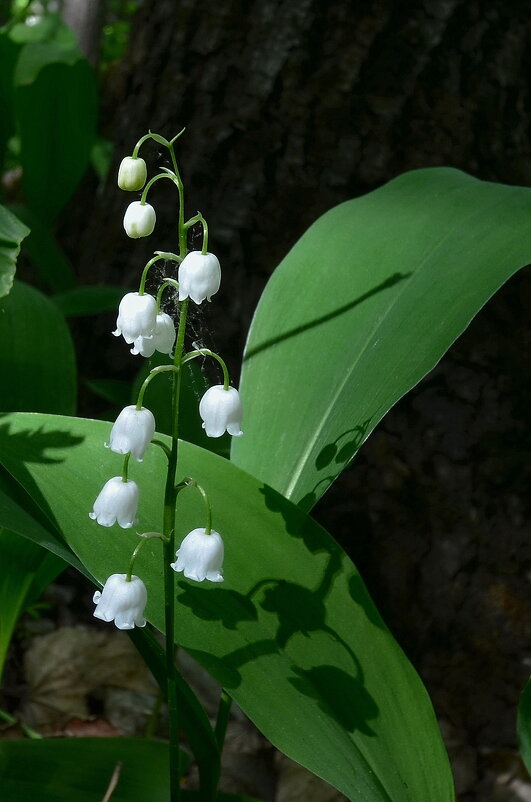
36	354
31	569
292	634
45	253
61	94
49	94
362	307
524	725
12	232
63	769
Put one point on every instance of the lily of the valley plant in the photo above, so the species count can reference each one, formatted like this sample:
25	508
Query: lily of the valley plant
193	276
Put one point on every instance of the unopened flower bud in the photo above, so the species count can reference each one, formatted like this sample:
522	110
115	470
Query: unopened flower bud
162	340
122	601
199	276
132	432
137	316
116	502
139	219
221	410
200	556
132	173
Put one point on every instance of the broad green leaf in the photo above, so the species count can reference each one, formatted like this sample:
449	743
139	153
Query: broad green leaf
45	253
524	725
46	29
90	300
56	152
362	307
47	42
80	769
37	357
292	634
12	232
26	569
20	514
8	57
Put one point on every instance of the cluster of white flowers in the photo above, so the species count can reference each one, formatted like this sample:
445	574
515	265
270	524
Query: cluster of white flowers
144	326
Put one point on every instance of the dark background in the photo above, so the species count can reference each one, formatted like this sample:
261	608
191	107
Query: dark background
292	107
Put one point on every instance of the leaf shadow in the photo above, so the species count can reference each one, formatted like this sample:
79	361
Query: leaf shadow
318	321
30	447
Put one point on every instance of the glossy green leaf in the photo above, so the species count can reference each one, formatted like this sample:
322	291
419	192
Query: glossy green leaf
292	633
362	307
56	152
26	569
44	252
37	357
8	57
12	232
524	725
80	769
20	514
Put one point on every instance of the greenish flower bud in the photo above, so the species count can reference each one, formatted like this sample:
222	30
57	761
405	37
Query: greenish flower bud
132	173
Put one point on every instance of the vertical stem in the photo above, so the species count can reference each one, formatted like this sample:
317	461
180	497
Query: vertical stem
170	496
222	720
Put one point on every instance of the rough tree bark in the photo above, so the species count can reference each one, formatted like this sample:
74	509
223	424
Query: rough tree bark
294	106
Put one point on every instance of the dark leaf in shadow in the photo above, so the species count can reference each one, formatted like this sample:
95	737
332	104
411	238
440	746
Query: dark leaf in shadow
359	594
325	456
217	604
298	609
338	694
221	669
293	521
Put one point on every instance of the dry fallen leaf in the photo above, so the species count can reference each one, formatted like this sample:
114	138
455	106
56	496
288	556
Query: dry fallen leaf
66	666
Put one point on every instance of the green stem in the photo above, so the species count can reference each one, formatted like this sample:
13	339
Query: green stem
152	181
158	256
168	282
208	352
126	466
180	187
199	219
145	537
170	496
9	719
189	482
222	720
150	377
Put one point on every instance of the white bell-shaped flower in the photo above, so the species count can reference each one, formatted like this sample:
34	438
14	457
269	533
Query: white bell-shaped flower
122	602
162	340
139	219
199	276
132	432
137	317
117	502
221	410
200	556
132	173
